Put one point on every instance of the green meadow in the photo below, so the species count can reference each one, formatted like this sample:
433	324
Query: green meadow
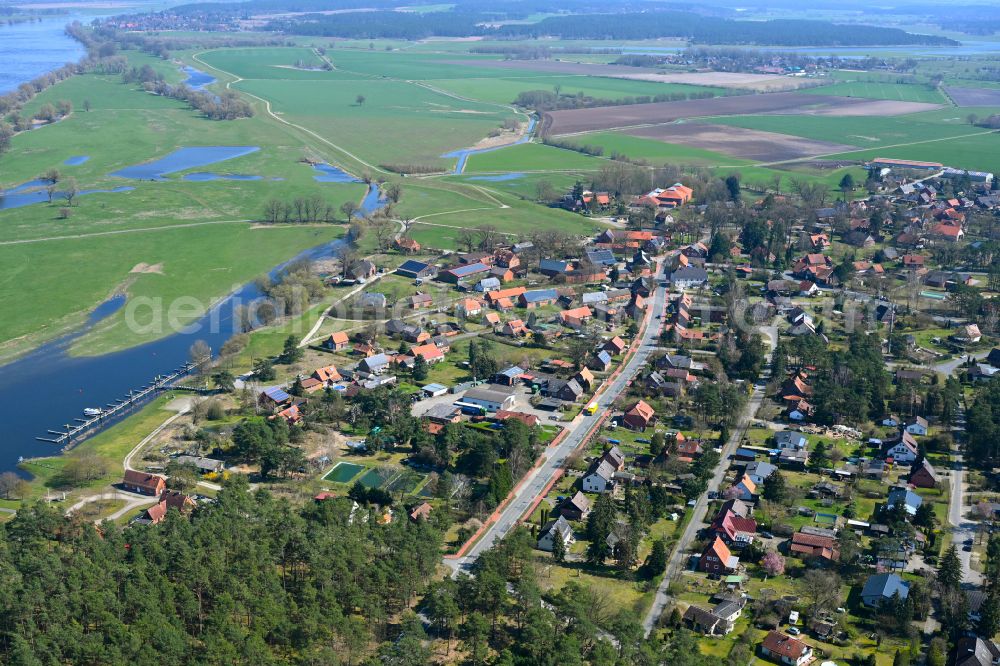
532	157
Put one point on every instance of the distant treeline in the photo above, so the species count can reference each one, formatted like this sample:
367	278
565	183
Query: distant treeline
714	30
632	25
547	100
412	168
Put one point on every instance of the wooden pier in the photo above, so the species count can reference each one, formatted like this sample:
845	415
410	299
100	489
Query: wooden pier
71	432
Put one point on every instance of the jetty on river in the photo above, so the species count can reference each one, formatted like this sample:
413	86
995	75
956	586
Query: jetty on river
70	432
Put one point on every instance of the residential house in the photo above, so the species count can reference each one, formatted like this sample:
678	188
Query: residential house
599	477
553	267
575	508
529	420
420	300
789	439
786	649
169	499
614	346
555	529
976	651
759	471
601	362
430	353
361	270
923	476
203	465
717	559
639	416
916	425
968	334
736	531
903	495
406	245
902	450
421	512
746	489
689	277
337	341
795	459
143	483
468	307
375	365
585	378
576	317
705	622
881	587
811	545
515	328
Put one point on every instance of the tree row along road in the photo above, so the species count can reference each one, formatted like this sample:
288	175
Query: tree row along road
536	482
679	555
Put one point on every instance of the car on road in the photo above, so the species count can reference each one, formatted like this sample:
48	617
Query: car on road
712	494
968	542
967	549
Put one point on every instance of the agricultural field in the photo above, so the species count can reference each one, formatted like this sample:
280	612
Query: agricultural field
900	92
505	90
588	120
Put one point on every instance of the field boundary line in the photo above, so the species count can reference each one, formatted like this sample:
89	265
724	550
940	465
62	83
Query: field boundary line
115	232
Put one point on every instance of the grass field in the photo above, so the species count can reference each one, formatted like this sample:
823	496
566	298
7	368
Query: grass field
532	157
901	92
399	123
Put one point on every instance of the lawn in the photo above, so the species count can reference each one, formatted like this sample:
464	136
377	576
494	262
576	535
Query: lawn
532	157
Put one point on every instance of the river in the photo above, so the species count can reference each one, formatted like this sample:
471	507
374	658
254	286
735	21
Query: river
30	49
49	388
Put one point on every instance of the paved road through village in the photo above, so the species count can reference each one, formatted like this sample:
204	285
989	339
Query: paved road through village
536	481
679	555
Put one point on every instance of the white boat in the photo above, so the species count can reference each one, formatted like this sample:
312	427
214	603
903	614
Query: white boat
93	411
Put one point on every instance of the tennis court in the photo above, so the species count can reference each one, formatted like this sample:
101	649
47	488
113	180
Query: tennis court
343	472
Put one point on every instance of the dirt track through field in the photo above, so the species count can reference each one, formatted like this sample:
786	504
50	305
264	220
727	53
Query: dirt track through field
576	121
739	142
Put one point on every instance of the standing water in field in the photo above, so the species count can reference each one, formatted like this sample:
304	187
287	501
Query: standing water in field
76	160
464	154
183	159
197	79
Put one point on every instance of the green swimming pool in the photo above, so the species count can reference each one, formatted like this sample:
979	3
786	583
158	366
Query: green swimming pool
343	472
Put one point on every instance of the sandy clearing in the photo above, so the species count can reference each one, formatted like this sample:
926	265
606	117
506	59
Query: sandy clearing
143	267
739	142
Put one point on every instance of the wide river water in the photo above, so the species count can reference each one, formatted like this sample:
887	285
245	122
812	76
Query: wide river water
30	49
